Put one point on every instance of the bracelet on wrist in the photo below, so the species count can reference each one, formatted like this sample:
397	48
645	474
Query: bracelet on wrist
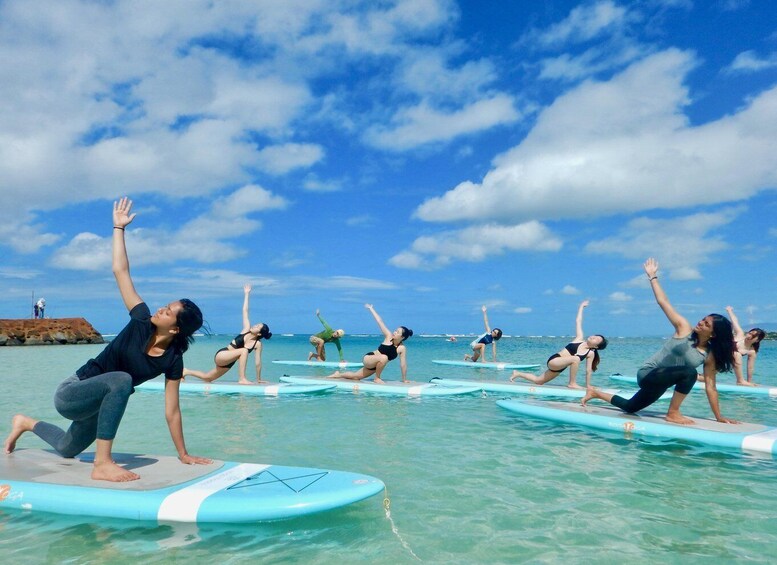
652	278
118	228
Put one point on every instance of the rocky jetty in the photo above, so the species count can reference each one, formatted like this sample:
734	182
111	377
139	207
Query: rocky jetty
49	331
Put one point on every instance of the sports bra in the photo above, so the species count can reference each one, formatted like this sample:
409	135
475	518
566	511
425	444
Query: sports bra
239	342
389	350
573	347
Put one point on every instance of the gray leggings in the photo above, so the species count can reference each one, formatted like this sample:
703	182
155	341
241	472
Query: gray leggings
95	405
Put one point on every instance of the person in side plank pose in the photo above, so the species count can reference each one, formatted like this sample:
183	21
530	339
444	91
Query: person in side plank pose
95	397
710	343
238	350
575	352
393	346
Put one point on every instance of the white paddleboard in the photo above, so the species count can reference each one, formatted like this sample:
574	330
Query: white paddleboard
557	391
744	436
757	390
323	364
486	365
232	388
169	491
390	387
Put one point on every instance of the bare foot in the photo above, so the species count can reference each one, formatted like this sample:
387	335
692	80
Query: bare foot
110	471
261	382
19	424
467	357
590	393
678	419
244	382
514	376
378	381
745	383
311	355
335	375
573	385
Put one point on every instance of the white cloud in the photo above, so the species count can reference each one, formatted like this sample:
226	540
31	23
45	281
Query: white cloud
475	244
361	220
583	24
204	239
280	159
620	296
750	62
681	245
422	124
522	310
569	289
622	146
590	62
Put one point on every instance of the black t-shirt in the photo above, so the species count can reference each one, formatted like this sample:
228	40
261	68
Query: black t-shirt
127	352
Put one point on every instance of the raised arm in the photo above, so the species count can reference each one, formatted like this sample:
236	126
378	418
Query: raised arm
246	317
323	321
485	319
579	335
384	330
122	217
739	333
681	326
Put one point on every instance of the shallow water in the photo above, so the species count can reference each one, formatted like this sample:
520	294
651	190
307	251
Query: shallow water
468	482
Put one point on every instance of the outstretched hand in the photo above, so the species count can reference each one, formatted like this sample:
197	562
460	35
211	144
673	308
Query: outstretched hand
584	303
651	267
368	306
121	213
483	308
247	288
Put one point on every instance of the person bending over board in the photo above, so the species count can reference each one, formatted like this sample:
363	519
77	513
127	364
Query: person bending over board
238	349
746	344
575	352
710	344
327	336
393	346
95	397
479	344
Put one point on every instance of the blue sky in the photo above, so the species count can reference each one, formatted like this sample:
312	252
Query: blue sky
426	156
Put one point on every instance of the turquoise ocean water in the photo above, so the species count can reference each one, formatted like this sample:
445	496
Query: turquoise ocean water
468	482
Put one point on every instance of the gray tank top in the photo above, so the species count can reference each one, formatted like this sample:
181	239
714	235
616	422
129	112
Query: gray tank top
676	352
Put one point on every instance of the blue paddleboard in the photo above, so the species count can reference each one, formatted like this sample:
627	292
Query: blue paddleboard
323	364
757	390
488	365
390	387
556	391
744	436
169	491
229	388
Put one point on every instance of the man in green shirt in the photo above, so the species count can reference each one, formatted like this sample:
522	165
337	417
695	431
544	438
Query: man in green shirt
327	336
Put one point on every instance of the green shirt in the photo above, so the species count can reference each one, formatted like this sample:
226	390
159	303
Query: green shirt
328	336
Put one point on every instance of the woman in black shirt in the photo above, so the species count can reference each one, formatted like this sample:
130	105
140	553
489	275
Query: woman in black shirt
96	396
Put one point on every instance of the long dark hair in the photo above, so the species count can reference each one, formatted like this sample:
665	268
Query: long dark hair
189	320
602	345
720	344
761	335
406	333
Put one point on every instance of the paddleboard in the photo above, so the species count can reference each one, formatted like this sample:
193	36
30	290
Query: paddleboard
228	388
390	387
558	391
758	390
744	436
488	365
323	364
169	491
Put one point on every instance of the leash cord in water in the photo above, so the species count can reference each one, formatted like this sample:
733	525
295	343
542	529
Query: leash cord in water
387	508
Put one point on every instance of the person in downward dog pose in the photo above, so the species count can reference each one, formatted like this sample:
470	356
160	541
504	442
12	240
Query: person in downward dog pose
374	362
478	345
95	397
327	336
575	352
710	343
238	349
